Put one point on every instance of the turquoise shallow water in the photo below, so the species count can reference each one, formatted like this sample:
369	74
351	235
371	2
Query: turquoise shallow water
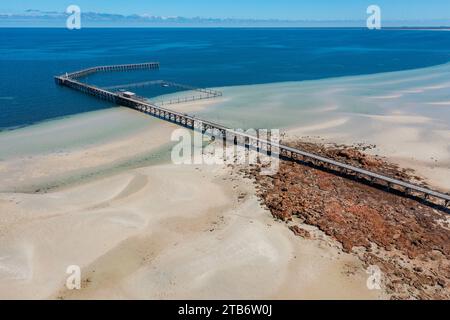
412	106
73	132
421	92
29	58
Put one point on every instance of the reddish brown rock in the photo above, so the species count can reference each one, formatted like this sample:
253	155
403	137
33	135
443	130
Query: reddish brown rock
358	215
300	232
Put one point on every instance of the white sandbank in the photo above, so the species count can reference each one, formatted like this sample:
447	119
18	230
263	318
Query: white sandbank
405	114
155	230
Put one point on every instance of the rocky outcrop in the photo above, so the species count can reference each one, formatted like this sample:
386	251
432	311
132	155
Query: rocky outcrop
410	242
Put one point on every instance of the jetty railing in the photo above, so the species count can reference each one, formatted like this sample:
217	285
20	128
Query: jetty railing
120	67
409	189
203	93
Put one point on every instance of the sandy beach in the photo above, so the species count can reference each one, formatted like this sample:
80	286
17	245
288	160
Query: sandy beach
141	227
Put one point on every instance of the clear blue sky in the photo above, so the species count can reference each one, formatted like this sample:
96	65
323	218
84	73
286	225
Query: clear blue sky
258	9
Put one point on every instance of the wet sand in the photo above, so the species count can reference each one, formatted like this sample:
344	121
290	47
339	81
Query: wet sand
158	232
164	232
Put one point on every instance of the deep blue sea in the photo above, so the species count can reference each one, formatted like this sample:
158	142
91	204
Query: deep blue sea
29	58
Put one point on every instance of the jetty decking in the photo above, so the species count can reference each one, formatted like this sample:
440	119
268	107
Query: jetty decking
391	184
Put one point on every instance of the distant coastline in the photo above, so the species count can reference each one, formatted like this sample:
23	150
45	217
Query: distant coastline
37	18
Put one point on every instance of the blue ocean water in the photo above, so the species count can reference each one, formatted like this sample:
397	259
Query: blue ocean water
29	58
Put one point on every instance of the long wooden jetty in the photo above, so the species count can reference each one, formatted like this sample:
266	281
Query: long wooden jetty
394	185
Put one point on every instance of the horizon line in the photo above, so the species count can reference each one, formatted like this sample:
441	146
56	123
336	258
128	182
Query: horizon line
405	27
